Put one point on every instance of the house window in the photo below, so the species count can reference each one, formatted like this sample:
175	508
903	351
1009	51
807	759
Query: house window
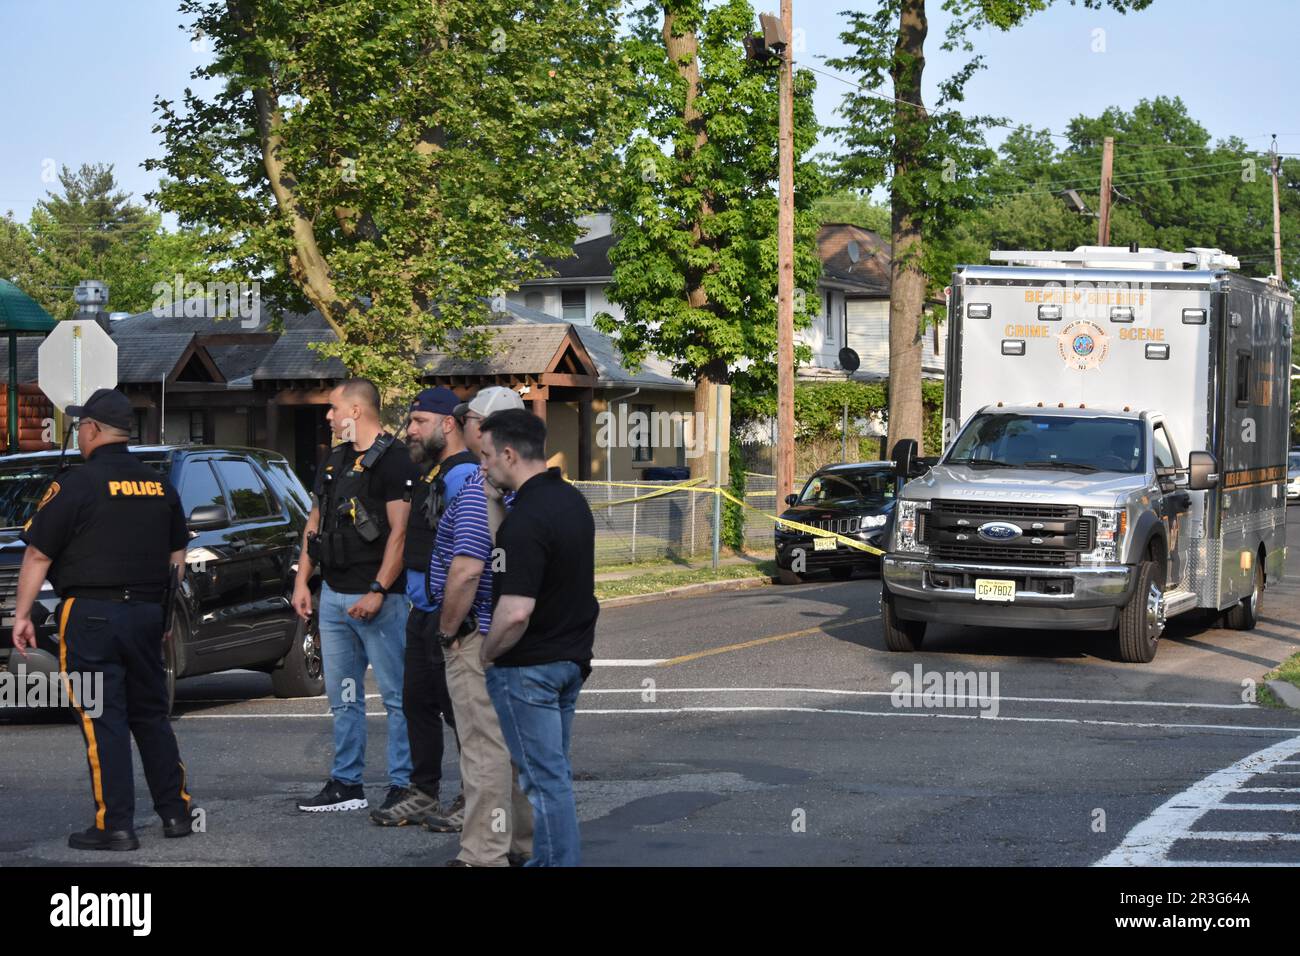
137	427
642	451
198	425
573	305
535	300
830	318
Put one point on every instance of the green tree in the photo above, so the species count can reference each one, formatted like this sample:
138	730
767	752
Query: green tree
1173	188
90	230
930	160
695	210
390	161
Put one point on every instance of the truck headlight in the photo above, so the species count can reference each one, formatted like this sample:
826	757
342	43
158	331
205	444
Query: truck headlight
907	528
1110	525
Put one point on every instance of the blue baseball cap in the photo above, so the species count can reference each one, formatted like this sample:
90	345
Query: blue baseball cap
439	401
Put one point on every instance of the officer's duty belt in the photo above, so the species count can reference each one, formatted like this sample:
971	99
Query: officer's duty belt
152	595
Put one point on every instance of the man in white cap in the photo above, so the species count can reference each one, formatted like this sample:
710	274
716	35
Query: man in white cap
494	398
498	820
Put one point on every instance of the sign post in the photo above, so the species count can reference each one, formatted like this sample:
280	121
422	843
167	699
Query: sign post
74	360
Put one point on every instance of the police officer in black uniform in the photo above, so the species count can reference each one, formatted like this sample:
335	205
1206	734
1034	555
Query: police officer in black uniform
110	536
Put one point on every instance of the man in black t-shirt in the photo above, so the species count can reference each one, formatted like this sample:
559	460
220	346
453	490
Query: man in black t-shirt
355	534
543	624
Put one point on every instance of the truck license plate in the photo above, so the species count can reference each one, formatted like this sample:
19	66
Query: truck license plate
990	590
824	544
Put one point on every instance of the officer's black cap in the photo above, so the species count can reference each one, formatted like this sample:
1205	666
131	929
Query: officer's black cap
107	406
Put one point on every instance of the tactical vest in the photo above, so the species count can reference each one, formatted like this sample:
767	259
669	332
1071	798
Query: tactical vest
428	497
354	524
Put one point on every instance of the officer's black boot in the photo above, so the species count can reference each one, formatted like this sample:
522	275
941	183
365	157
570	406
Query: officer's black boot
178	826
96	839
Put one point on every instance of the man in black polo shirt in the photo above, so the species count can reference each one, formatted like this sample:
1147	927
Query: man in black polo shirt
543	624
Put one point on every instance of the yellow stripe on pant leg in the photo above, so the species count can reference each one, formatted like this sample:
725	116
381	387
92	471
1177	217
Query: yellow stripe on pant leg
87	726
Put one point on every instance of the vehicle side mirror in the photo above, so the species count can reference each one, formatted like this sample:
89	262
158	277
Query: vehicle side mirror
208	518
1202	471
903	457
791	499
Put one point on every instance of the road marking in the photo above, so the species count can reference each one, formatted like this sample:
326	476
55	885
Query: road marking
1241	836
1149	843
910	713
819	629
887	693
629	662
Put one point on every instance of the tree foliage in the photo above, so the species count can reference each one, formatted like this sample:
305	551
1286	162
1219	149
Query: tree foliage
695	267
91	229
389	162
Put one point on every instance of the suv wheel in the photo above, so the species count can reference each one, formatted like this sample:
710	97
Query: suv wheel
786	576
171	657
301	673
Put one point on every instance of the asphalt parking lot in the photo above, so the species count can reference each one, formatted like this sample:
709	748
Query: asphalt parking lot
757	727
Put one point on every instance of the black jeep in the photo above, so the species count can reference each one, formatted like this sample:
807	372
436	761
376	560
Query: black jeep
852	500
246	511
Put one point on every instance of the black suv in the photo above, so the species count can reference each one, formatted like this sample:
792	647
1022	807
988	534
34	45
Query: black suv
246	510
854	500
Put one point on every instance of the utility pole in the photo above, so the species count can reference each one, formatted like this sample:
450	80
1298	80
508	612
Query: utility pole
1277	218
1107	160
785	268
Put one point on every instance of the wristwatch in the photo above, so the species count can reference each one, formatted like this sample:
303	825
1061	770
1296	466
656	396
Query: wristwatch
377	588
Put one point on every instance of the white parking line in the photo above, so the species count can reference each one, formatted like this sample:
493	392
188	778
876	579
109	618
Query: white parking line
1149	843
888	693
1239	836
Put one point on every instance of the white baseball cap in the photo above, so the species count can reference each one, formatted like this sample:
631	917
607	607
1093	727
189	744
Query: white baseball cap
494	398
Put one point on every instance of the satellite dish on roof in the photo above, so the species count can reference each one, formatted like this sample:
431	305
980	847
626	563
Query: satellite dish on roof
854	250
849	360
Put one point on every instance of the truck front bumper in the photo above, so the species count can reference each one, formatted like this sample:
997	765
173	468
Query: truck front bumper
1085	598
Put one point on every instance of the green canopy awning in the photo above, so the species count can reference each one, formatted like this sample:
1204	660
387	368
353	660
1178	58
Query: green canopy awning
19	312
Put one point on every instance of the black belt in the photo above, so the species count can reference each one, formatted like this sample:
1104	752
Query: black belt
151	595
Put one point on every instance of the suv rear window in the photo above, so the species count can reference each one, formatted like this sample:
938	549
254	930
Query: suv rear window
199	487
248	493
23	485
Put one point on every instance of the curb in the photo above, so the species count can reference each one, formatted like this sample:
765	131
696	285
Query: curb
687	590
1286	692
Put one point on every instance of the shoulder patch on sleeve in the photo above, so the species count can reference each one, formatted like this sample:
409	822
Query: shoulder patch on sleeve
50	492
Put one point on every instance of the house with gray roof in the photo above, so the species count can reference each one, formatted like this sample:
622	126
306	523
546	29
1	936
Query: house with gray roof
239	381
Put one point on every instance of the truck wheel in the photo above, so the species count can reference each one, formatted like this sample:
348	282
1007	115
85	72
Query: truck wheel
301	674
1245	614
786	576
900	635
1143	619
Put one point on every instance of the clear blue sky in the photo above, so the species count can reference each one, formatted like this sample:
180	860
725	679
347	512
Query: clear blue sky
78	77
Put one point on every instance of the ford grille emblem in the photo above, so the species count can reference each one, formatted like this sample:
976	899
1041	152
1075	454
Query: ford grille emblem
999	531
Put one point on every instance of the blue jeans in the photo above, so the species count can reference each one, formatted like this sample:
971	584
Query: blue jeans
347	645
535	705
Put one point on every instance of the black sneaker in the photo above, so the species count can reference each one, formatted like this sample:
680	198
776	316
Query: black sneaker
96	839
336	795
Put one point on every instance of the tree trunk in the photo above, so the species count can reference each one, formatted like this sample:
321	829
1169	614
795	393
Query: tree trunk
683	53
907	281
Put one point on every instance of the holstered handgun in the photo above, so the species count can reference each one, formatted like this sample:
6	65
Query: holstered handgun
365	523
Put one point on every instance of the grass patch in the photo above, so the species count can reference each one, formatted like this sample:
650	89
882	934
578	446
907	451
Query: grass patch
656	581
1289	671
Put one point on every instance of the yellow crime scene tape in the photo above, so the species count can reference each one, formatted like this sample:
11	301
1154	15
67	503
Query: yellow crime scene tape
694	486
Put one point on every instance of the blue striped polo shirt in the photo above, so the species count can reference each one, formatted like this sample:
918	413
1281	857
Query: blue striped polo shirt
463	530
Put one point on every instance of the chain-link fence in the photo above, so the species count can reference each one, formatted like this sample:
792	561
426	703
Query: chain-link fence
640	521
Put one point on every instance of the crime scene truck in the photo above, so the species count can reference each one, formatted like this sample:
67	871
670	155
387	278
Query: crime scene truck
1122	455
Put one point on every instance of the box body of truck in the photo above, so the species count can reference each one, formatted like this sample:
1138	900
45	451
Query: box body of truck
1175	349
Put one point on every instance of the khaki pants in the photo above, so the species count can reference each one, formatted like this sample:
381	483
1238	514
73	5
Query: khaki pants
498	818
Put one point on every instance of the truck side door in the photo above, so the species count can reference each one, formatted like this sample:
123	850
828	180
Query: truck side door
1175	505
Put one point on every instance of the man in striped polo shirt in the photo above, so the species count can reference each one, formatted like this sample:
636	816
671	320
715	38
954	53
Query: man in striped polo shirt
497	825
